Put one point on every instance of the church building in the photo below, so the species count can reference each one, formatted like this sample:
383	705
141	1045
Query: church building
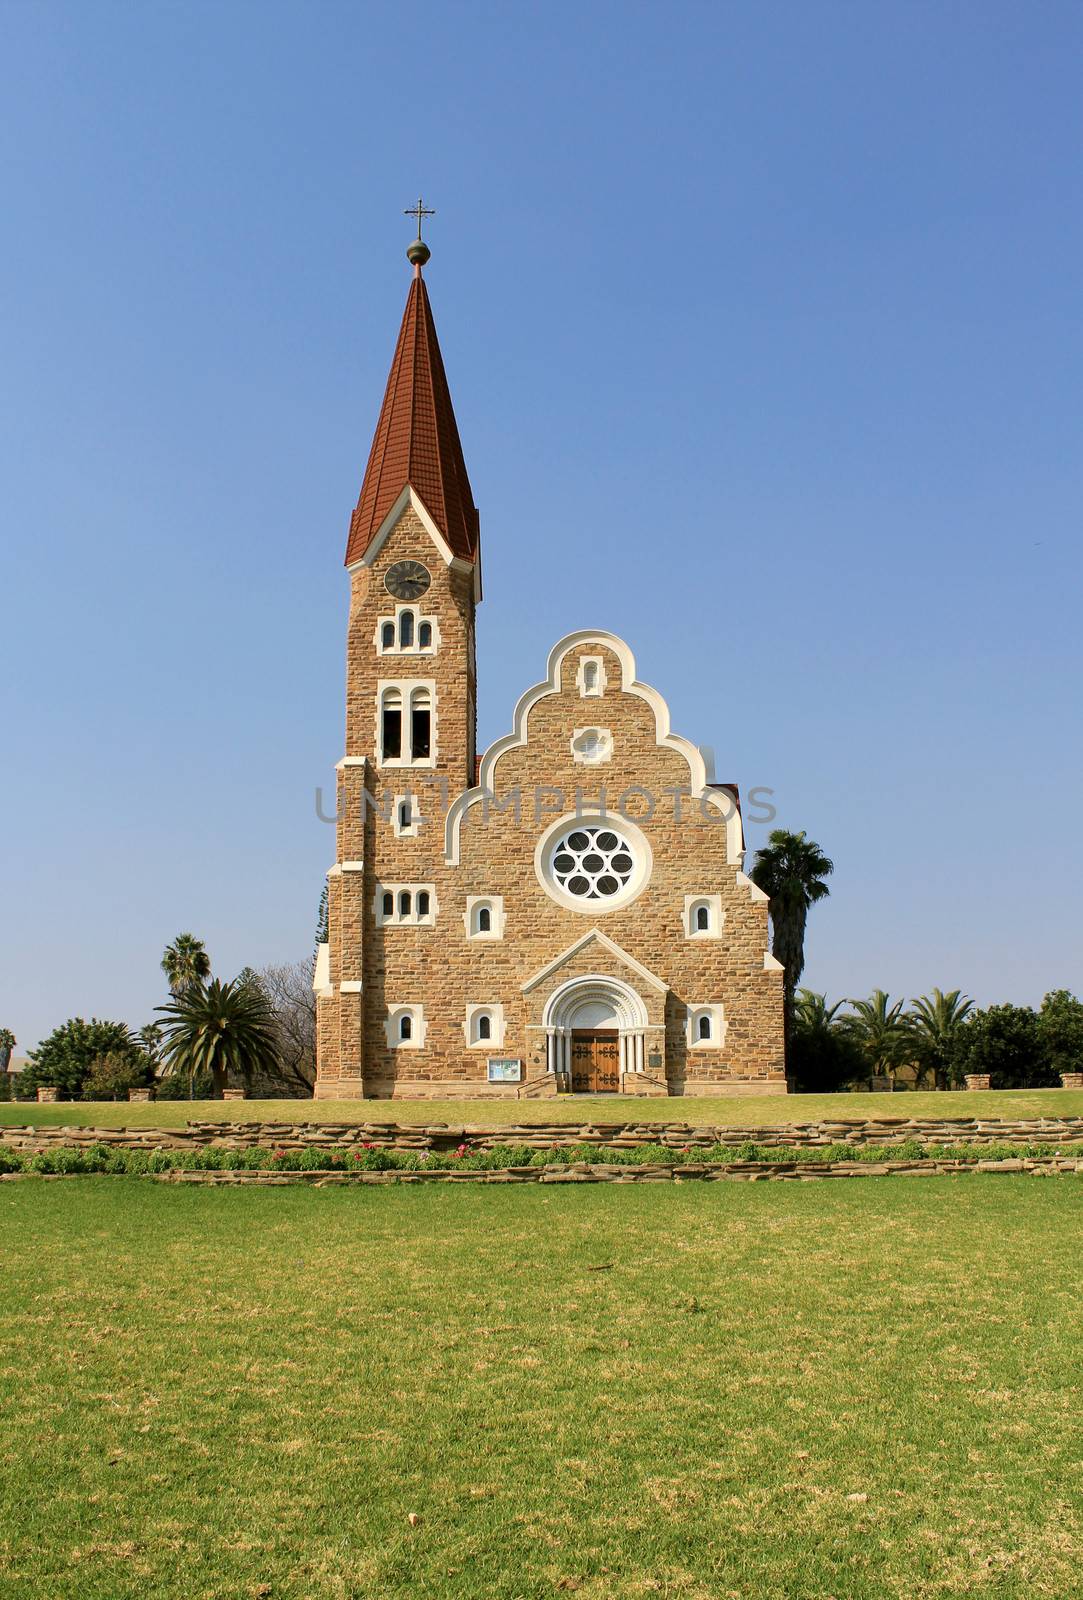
563	913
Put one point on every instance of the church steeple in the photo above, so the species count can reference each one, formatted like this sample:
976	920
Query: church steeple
416	443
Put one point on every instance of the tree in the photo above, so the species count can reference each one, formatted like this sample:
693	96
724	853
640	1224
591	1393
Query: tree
114	1073
1060	1028
790	870
1005	1042
936	1020
222	1029
823	1056
8	1042
66	1057
288	989
150	1038
185	963
882	1034
321	919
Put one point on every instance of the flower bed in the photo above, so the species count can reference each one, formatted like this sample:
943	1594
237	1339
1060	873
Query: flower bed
371	1158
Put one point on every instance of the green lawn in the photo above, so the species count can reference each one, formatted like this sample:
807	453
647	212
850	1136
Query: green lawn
745	1111
220	1394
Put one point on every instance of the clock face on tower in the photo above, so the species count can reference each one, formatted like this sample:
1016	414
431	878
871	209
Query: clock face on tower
407	580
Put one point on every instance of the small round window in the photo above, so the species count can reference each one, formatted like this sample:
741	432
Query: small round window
593	863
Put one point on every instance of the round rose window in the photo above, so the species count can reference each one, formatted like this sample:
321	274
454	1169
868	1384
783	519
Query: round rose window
592	862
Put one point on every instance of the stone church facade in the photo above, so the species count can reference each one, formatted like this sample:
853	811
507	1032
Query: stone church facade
566	912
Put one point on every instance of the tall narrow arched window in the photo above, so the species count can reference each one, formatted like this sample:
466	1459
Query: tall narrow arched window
387	636
703	919
406	814
391	725
424	636
406	901
485	1026
406	629
423	903
485	919
703	1026
420	724
406	1026
389	905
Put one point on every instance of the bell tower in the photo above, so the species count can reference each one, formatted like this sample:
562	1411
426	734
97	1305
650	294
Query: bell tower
413	561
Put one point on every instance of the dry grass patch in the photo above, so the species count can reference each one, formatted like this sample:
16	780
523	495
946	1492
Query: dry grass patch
807	1390
739	1110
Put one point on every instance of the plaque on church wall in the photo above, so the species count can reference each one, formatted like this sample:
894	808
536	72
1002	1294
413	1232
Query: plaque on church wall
505	1071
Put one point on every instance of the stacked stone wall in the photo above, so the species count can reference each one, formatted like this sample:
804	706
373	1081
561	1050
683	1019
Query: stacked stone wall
622	1135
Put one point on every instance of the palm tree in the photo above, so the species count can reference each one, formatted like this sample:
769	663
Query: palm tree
185	962
813	1014
823	1057
936	1020
882	1032
219	1029
790	870
150	1042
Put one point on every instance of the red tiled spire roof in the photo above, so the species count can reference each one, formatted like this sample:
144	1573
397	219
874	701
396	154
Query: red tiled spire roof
417	441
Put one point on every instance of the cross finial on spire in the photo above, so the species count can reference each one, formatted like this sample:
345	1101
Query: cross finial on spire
419	211
419	251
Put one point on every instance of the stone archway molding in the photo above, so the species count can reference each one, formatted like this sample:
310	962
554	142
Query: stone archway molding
629	1011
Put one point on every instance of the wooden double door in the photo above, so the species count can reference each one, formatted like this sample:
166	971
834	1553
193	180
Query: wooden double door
595	1061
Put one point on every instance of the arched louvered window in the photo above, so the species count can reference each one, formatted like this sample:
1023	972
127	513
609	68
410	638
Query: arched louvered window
420	724
424	636
391	725
387	636
406	629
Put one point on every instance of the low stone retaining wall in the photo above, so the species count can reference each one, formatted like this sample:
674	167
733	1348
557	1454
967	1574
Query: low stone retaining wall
600	1172
555	1135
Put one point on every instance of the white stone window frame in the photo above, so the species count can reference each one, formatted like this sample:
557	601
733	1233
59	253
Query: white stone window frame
418	1027
600	679
603	742
395	919
716	1012
642	856
484	1008
408	689
474	903
692	904
414	649
413	827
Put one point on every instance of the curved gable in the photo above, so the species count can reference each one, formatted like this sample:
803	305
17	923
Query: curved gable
698	775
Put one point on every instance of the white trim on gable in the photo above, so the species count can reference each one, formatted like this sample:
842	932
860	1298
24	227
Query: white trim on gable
697	768
408	497
606	943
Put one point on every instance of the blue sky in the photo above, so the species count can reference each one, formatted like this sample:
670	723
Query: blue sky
763	327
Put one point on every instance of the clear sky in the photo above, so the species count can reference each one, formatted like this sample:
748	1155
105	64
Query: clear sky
763	327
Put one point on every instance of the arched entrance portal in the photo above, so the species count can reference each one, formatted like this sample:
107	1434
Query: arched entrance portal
594	1031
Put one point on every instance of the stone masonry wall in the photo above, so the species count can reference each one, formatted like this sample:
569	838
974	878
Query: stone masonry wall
883	1131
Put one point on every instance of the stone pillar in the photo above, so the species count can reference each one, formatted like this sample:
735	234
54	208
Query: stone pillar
47	1096
977	1080
1071	1080
234	1094
140	1094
